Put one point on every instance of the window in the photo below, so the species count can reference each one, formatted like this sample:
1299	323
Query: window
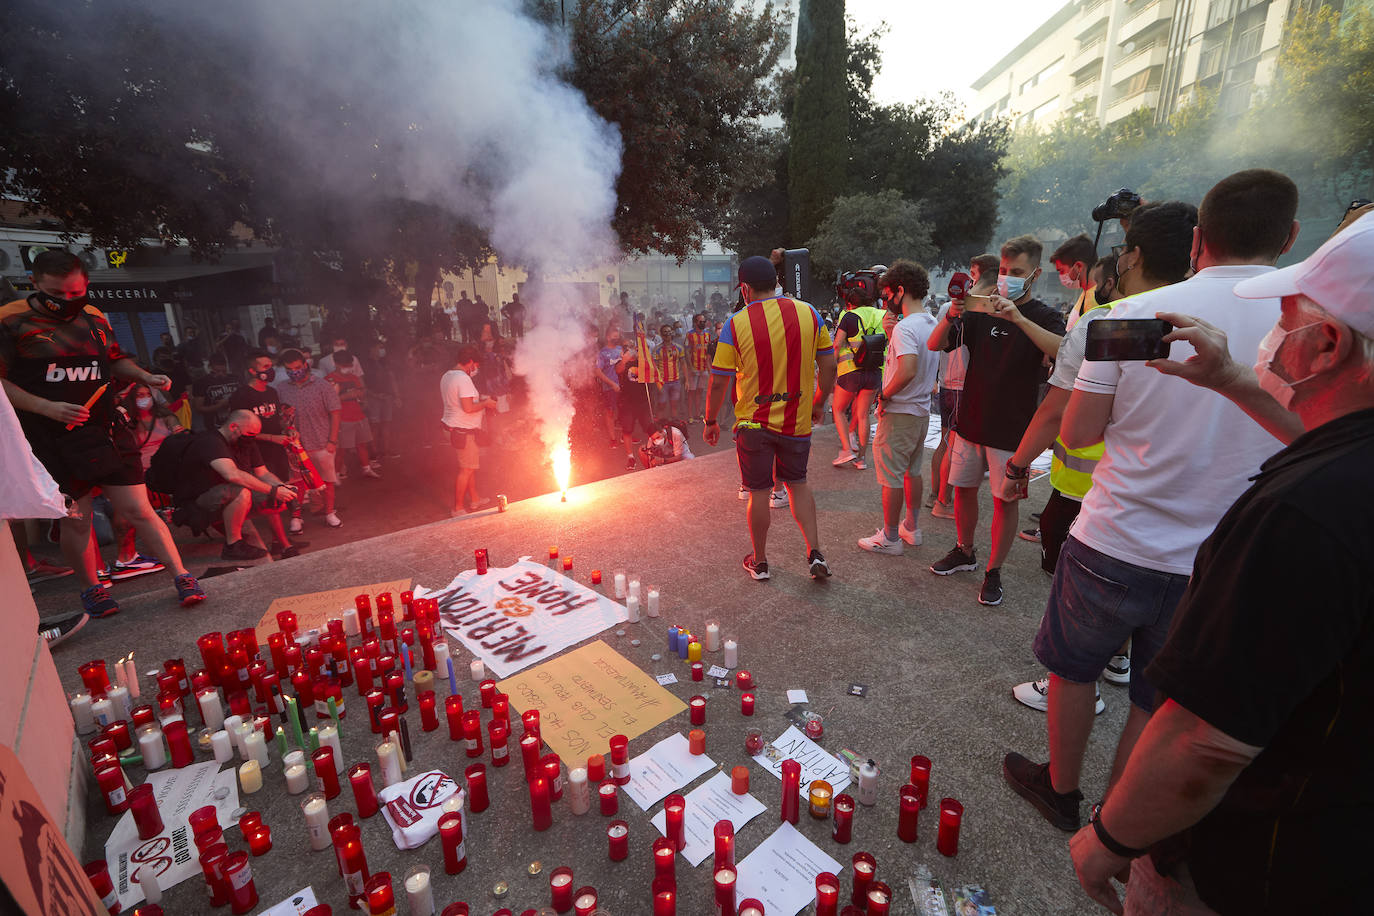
1138	84
1210	62
1248	44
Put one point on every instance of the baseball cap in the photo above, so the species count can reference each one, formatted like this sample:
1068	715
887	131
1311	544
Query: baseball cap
758	272
1339	276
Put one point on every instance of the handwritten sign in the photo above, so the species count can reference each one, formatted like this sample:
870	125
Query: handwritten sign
514	616
314	610
588	696
816	762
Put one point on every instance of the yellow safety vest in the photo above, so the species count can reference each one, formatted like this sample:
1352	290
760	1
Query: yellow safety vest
870	322
1071	469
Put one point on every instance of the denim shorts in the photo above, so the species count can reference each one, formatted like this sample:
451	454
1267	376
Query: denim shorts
766	458
1096	603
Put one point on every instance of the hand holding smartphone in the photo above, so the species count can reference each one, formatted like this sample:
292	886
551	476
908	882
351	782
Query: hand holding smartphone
1114	339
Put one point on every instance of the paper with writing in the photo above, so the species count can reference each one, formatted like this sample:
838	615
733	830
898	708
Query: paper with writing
663	769
708	803
313	611
298	903
665	679
781	871
816	762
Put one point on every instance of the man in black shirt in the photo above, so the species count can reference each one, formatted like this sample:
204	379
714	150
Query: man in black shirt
223	473
514	310
233	346
259	397
210	393
1008	335
1249	787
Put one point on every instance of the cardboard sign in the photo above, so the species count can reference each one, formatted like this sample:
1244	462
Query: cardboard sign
514	616
38	867
314	610
587	697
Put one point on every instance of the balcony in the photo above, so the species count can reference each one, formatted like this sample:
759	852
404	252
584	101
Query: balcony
1150	15
1094	13
1119	109
1143	59
1089	90
1088	55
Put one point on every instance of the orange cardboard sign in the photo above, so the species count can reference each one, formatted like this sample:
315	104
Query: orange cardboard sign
314	610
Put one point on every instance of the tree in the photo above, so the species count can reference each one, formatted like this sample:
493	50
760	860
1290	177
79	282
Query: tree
819	124
867	229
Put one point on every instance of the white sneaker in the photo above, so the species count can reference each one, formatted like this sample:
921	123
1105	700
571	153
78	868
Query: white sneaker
297	524
777	499
859	463
853	442
370	472
1036	695
843	458
913	538
332	520
1118	670
743	493
878	543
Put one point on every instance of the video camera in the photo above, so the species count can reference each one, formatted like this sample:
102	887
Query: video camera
859	287
1119	205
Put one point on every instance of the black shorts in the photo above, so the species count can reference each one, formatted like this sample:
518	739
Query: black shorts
635	410
1055	520
860	380
766	457
88	457
949	408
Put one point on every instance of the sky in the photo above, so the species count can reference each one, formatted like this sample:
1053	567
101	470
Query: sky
926	49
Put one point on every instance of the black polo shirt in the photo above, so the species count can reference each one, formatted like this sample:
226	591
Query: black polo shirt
1273	644
1005	369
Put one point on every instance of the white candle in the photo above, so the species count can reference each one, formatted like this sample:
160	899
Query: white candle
250	777
81	713
231	725
652	607
389	760
241	733
454	804
123	706
632	608
147	882
620	585
222	746
634	588
317	821
478	670
579	793
134	690
256	746
419	894
103	711
395	739
731	653
751	911
296	779
150	747
211	710
584	902
350	619
441	655
712	636
329	737
121	673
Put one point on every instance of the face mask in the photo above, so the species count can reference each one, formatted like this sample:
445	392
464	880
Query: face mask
271	349
143	403
63	309
1066	278
1278	387
298	375
264	375
1010	287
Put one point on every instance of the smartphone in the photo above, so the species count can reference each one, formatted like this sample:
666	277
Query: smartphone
1127	339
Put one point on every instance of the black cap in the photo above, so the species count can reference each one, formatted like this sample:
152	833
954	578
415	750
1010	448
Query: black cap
757	272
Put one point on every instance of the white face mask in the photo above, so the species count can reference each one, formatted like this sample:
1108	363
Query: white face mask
1067	279
143	403
1278	387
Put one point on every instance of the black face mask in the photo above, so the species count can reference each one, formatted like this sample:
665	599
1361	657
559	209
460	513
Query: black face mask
62	309
700	325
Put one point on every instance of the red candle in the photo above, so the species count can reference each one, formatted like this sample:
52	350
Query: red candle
390	719
739	780
178	742
725	879
879	899
118	732
248	822
584	902
618	835
477	787
920	776
725	844
429	716
674	819
696	742
143	715
453	711
596	768
530	719
364	605
552	769
540	806
243	893
326	771
202	819
750	906
746	704
864	868
791	786
553	553
453	909
529	753
208	836
143	806
567	564
451	835
665	897
212	864
98	873
697	707
827	894
479	557
596	580
951	816
364	793
498	735
386	605
910	806
487	690
843	828
427	650
375	700
260	840
610	799
500	709
381	901
561	889
698	671
472	732
744	680
620	760
664	855
396	691
362	669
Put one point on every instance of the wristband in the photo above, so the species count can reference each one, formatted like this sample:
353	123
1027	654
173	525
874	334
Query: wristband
712	423
1110	842
1015	472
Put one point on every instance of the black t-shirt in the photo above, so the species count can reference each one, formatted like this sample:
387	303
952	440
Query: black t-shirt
214	388
197	474
1273	644
266	404
633	392
1005	369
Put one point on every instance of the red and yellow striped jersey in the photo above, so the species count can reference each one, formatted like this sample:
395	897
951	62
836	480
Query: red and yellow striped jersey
770	347
699	350
669	359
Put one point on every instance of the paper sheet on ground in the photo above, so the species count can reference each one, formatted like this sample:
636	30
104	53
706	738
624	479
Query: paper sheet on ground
796	696
708	803
663	769
314	610
171	853
781	872
514	616
816	762
297	904
588	696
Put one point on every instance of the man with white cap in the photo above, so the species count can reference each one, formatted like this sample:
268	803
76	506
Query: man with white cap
1249	787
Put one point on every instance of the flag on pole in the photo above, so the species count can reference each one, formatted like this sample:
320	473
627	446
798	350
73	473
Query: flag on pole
649	371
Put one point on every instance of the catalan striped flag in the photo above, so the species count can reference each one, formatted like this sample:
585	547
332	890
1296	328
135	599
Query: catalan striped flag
649	372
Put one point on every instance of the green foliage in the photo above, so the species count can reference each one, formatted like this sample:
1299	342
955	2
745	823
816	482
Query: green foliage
867	229
819	123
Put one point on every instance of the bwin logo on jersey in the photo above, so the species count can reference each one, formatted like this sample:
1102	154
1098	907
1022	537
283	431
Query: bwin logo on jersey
89	373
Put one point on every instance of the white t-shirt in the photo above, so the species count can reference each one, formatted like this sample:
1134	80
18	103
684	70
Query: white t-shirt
453	387
909	338
1176	456
1069	359
954	363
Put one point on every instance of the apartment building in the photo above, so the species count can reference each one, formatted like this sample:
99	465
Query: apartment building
1110	58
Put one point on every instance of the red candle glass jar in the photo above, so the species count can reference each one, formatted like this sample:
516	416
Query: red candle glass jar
879	899
724	833
498	736
909	801
951	817
451	837
843	813
143	806
618	837
674	820
326	771
610	799
920	777
746	704
827	894
429	717
243	893
477	787
697	706
865	866
364	792
561	889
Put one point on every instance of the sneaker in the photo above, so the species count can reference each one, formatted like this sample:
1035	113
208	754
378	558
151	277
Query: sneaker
1035	516
991	591
957	560
138	566
1031	781
96	601
286	551
332	519
376	465
42	571
1029	534
630	463
370	471
878	543
843	458
913	538
859	463
103	574
55	632
189	591
241	550
757	571
1036	695
1118	670
819	568
297	524
777	499
853	441
743	493
942	510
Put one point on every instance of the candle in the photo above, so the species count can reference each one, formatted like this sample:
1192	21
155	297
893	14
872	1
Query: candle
118	732
212	861
150	748
664	855
684	642
498	736
260	840
864	867
698	671
131	681
178	743
632	609
147	882
500	708
724	834
674	816
389	759
951	816
429	718
222	746
753	742
620	585
814	729
694	651
791	787
652	607
477	787
297	780
585	902
255	744
478	670
712	636
103	711
620	760
596	768
744	680
746	704
596	577
696	742
81	713
243	893
618	838
472	732
739	780
909	801
827	894
529	754
920	776
820	793
250	777
451	837
665	897
530	719
380	898
329	737
143	807
579	792
364	793
121	701
561	889
419	893
868	783
293	713
211	709
844	818
142	715
452	680
350	622
725	891
110	779
610	799
634	588
750	907
326	772
731	653
879	899
567	565
697	707
553	772
316	812
540	806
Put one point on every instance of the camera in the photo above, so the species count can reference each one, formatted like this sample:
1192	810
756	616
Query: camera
859	287
1119	205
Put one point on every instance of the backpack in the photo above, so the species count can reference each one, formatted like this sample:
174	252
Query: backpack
164	471
871	347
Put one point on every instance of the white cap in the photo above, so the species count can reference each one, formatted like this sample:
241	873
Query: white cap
1339	276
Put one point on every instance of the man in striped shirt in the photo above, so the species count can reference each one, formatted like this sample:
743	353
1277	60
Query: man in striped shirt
771	349
699	341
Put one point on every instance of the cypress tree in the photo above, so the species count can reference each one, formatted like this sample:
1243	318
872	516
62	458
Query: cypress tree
820	118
